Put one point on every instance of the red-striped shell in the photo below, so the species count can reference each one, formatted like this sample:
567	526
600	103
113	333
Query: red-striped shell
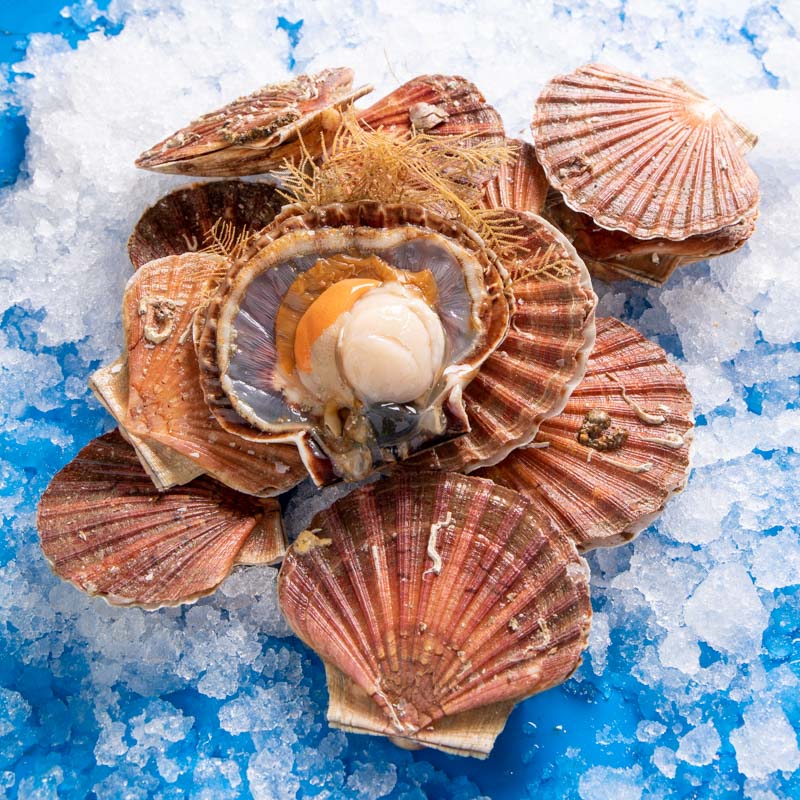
603	499
182	221
650	158
437	601
520	185
107	529
165	402
440	105
530	375
255	133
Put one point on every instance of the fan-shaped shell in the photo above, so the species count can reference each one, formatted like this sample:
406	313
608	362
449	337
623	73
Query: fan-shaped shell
255	133
165	401
107	529
604	498
435	596
441	105
651	158
615	255
521	184
182	221
350	225
530	375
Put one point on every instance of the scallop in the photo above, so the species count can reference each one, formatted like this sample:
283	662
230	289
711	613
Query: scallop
520	184
531	373
603	469
184	220
361	374
439	105
255	133
165	403
654	159
616	255
106	528
436	601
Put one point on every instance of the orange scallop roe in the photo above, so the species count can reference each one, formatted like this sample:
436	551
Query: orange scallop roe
323	313
325	274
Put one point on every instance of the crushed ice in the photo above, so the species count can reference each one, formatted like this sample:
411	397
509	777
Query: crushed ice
696	641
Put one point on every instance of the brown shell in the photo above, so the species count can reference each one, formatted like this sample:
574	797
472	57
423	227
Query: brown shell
655	159
604	498
181	221
530	375
255	133
440	105
442	598
165	401
368	215
615	255
520	184
107	529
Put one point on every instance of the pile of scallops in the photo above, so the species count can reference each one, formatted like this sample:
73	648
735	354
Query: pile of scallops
403	302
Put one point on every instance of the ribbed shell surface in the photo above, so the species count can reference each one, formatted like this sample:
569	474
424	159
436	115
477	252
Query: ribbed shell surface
521	184
651	158
254	133
165	400
107	529
530	375
448	105
438	594
604	498
181	221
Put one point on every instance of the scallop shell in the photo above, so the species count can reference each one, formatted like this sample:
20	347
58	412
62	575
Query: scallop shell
531	374
165	401
255	133
602	499
615	255
165	467
520	184
343	226
651	158
436	601
181	222
108	530
440	105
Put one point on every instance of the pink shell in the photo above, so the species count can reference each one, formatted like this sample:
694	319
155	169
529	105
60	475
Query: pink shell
651	158
436	595
603	499
255	133
530	375
107	529
520	185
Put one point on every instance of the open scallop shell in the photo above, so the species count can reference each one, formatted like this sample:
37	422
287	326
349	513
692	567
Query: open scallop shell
295	241
165	402
255	133
531	374
520	184
107	529
651	158
615	255
436	601
183	220
440	105
603	499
